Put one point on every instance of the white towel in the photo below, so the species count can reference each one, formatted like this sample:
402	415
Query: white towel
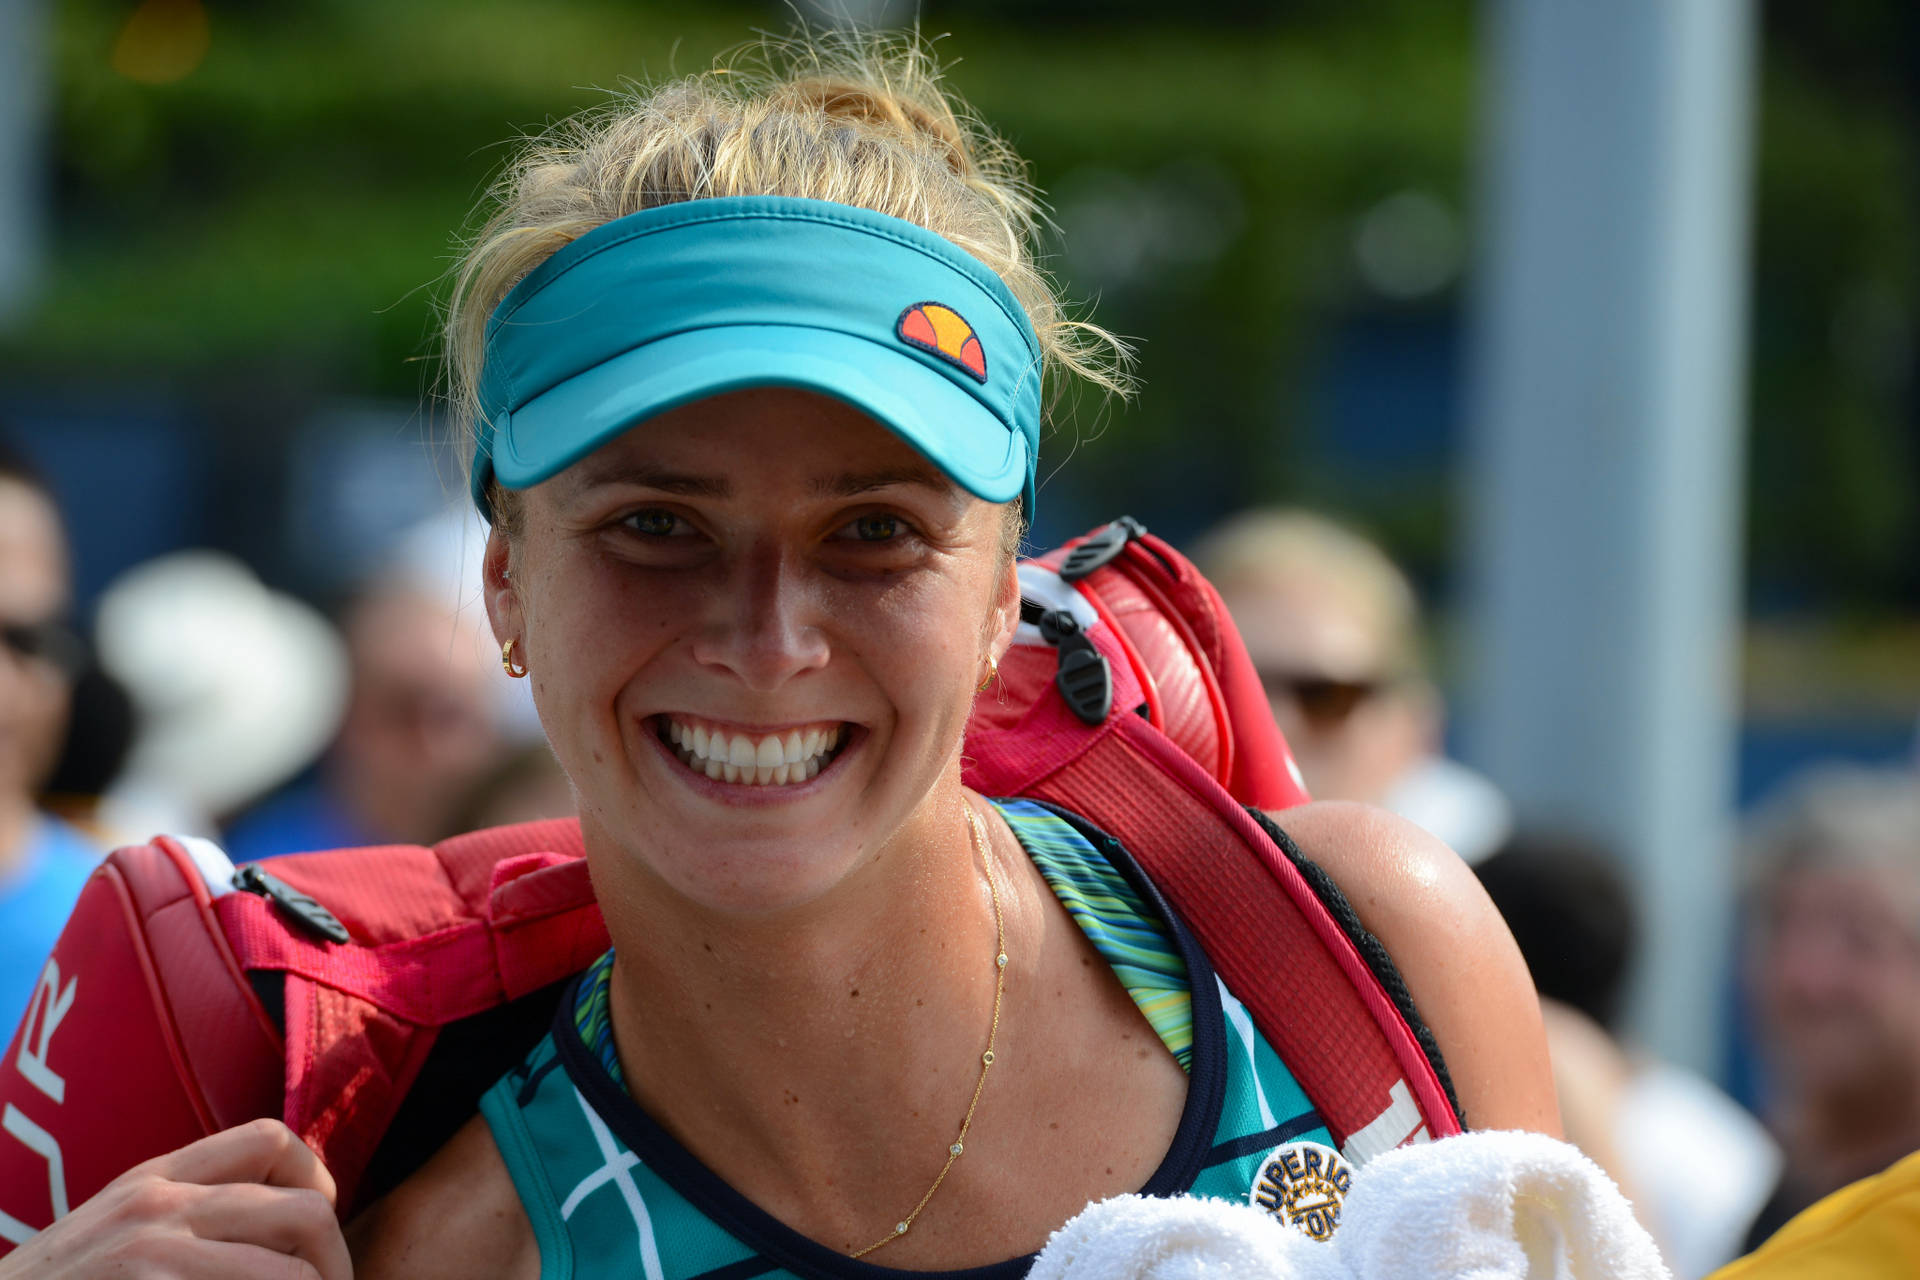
1482	1206
1492	1206
1182	1238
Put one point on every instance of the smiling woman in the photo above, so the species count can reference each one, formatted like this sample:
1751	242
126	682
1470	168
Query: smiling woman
756	569
754	368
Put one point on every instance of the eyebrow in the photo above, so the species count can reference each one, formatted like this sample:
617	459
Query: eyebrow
853	484
689	485
682	483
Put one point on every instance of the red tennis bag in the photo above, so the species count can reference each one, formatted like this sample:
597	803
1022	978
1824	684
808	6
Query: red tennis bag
369	996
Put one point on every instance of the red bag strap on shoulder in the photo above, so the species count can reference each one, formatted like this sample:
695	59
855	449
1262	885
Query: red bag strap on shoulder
1267	933
1178	803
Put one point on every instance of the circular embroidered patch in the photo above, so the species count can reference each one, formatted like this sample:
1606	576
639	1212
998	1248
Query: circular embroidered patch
1303	1184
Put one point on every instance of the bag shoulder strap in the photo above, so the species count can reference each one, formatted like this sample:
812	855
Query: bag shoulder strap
427	936
1345	1034
1370	948
1321	989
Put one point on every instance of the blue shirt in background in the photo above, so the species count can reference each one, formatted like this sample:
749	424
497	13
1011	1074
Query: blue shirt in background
36	897
301	819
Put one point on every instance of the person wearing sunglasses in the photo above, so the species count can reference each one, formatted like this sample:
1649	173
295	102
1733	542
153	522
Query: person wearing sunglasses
1334	630
43	862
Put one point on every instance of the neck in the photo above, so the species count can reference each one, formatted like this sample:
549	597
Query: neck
854	1024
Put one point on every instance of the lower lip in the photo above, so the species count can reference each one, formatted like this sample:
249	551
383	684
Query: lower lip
738	793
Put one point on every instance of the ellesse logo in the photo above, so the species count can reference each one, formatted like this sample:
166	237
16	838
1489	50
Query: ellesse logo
940	329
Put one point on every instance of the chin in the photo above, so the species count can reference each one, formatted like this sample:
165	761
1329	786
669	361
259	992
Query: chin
748	885
756	862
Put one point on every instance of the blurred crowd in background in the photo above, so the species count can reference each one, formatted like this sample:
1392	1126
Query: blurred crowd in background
239	580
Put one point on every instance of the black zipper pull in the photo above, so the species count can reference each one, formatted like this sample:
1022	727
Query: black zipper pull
1100	548
306	913
1084	678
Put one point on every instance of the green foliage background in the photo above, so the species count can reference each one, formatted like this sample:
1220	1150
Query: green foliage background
279	217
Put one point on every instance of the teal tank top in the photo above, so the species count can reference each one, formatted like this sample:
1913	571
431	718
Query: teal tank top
610	1193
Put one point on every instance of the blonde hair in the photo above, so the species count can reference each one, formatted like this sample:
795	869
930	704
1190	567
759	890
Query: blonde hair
858	119
1256	548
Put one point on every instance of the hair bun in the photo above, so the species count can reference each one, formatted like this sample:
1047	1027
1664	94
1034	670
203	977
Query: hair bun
930	118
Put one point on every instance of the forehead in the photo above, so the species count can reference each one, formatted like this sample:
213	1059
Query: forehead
772	437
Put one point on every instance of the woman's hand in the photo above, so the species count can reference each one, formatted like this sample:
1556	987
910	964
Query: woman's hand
249	1203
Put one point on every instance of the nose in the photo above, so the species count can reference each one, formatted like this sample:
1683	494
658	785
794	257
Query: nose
764	625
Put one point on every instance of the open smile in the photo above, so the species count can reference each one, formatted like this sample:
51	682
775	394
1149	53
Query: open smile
785	757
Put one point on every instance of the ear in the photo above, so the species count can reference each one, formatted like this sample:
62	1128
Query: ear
1006	612
501	592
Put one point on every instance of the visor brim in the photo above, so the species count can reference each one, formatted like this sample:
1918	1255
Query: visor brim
925	407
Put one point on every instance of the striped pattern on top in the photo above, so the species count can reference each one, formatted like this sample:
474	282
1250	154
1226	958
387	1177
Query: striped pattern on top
1127	933
590	1017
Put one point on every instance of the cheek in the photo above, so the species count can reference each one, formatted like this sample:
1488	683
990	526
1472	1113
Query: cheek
922	639
587	632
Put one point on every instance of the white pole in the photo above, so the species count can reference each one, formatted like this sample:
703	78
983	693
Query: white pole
1606	455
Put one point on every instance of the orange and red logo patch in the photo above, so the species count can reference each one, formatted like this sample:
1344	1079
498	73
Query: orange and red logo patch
940	330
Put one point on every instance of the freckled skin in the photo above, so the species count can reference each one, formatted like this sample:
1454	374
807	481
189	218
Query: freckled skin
738	926
755	609
742	928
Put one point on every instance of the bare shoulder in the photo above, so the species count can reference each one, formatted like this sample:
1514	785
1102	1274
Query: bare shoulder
1460	963
458	1216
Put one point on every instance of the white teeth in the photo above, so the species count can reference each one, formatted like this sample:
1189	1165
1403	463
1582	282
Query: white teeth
773	760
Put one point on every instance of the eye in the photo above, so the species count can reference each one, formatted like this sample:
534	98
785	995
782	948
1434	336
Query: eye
877	527
655	523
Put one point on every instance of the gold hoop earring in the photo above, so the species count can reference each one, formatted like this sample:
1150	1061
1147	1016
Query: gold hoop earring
517	671
993	673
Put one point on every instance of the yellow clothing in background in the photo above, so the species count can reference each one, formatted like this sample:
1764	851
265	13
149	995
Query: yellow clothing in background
1870	1229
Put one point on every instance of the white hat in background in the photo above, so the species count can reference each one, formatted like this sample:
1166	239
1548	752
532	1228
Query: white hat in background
1464	808
238	688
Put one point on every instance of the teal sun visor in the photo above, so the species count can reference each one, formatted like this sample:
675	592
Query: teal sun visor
685	301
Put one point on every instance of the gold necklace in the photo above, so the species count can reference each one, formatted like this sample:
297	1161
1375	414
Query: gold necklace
986	1059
